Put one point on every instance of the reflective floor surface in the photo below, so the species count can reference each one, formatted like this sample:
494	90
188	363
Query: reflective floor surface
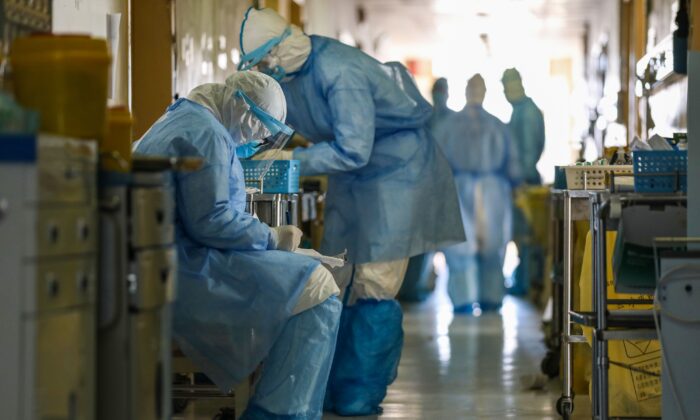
464	367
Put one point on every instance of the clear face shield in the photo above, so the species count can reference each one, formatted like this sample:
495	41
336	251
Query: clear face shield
280	133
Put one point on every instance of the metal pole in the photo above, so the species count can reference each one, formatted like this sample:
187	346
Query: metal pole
595	232
602	303
566	322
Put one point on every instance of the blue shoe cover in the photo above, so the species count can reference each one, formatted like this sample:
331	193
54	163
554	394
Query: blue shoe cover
466	309
367	357
490	306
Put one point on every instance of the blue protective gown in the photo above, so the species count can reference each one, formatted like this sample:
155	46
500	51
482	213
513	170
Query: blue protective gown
416	287
386	192
480	151
527	126
440	112
390	196
235	295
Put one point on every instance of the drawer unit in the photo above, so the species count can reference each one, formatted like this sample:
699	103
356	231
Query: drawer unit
155	278
67	181
150	360
67	171
59	359
48	237
59	284
65	231
152	217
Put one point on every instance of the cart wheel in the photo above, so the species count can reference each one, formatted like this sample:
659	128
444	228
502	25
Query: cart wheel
565	406
225	414
179	405
550	364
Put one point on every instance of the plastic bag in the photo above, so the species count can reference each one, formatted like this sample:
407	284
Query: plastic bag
631	393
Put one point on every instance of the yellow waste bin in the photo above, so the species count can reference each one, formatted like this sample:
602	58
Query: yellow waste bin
115	150
64	78
632	393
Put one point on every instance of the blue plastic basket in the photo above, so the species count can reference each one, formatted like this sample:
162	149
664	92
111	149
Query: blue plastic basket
660	171
282	178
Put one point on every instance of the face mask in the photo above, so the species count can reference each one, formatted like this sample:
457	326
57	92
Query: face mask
248	150
269	65
261	57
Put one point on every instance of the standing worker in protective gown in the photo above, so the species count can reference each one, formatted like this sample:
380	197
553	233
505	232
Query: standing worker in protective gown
243	298
390	190
416	286
440	95
482	157
527	126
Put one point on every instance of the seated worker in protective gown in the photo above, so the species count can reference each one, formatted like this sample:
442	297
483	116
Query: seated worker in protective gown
243	298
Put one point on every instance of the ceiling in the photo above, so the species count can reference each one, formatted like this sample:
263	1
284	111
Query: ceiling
552	16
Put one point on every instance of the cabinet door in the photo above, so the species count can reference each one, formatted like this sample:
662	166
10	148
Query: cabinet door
64	365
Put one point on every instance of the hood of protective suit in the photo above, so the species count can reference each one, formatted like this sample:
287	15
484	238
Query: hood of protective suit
476	90
513	85
232	110
260	26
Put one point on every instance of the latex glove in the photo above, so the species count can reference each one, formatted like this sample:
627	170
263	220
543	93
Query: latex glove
287	237
274	154
299	141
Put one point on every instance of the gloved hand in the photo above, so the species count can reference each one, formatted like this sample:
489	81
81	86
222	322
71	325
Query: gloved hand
299	141
274	154
287	237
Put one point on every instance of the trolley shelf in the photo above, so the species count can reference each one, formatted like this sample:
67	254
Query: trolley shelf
617	319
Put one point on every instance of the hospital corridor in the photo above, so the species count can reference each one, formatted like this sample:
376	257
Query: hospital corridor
349	209
490	360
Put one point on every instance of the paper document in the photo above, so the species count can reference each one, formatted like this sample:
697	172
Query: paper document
333	262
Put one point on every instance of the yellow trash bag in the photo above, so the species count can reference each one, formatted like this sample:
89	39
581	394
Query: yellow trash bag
632	392
582	356
533	201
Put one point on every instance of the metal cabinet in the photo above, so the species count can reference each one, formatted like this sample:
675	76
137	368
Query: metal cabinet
48	238
138	269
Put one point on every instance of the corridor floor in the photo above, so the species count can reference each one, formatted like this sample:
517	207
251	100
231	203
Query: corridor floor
463	367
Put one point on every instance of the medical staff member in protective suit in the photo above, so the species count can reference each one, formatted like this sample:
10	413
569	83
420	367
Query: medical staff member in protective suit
440	93
527	126
420	272
484	161
243	297
390	190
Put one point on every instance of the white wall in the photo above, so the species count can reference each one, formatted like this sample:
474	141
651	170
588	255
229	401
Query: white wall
90	17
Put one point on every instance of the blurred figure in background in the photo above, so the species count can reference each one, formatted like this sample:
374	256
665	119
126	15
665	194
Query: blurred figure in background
485	165
527	127
420	275
440	96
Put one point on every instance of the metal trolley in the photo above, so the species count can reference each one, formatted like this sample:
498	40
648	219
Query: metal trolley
605	210
553	330
575	207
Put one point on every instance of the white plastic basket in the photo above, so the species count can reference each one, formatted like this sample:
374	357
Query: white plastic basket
592	177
